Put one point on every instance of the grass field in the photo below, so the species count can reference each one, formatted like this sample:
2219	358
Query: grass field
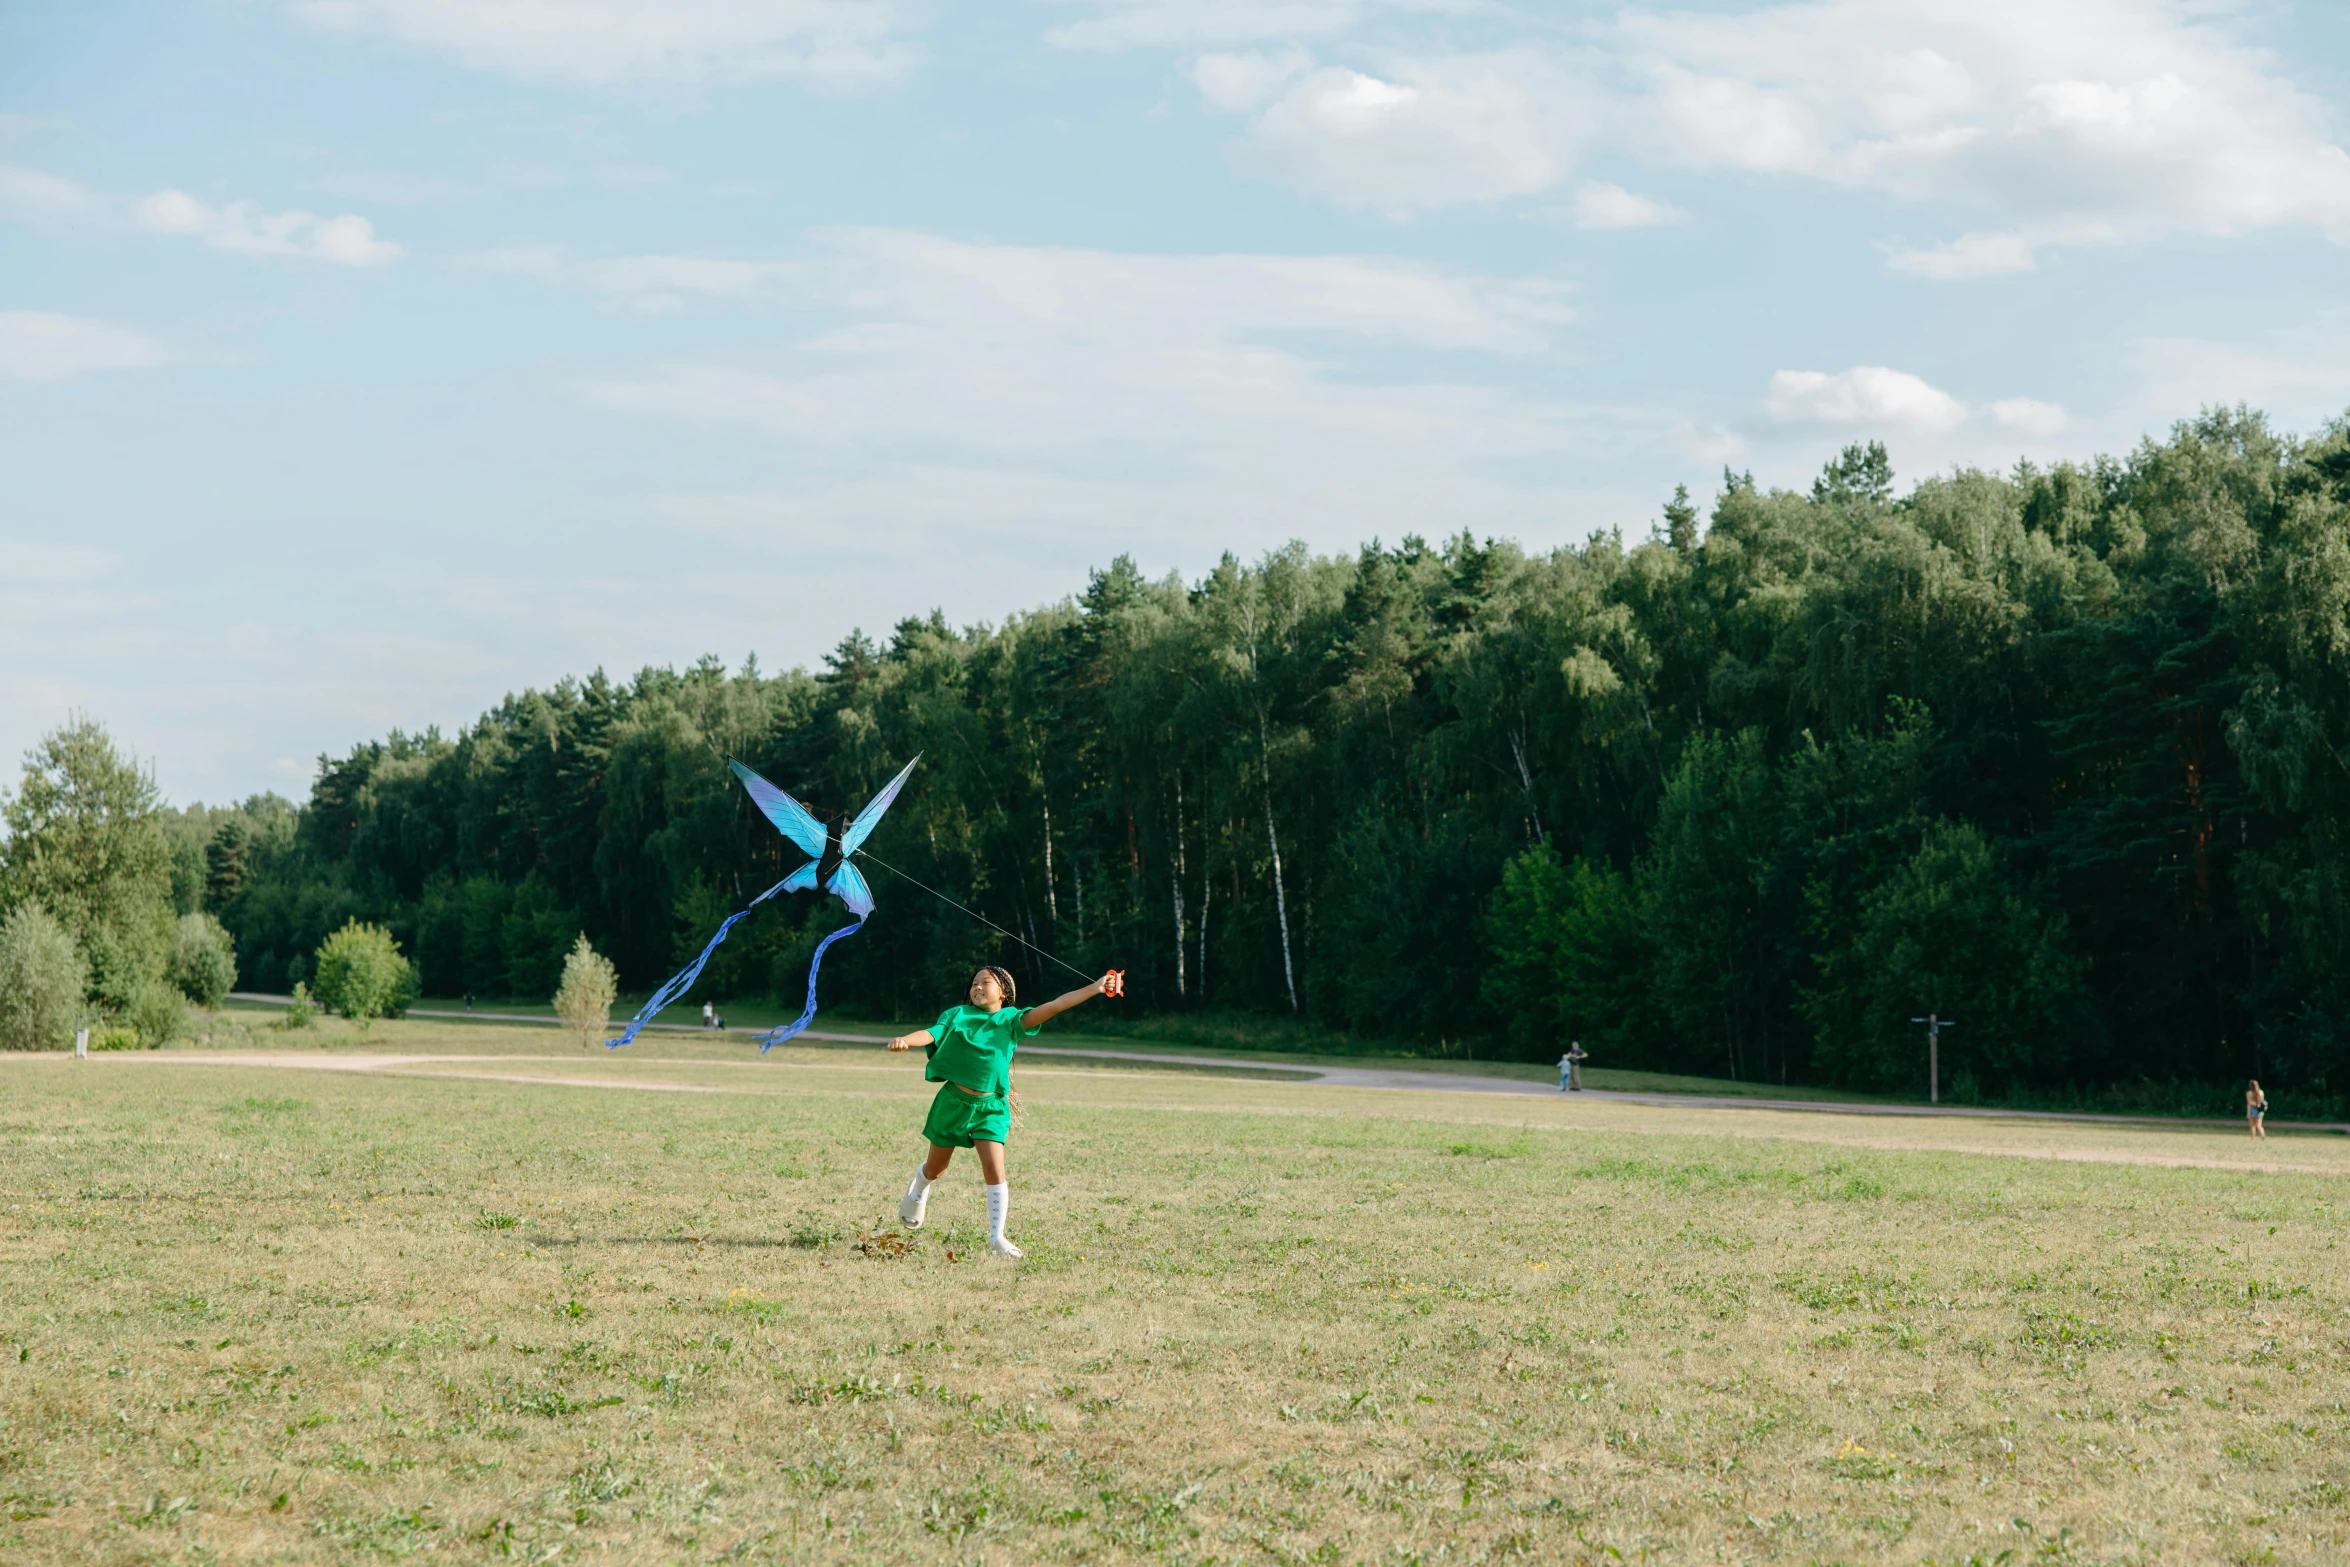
354	1303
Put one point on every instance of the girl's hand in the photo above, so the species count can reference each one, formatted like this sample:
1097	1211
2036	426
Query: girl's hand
920	1036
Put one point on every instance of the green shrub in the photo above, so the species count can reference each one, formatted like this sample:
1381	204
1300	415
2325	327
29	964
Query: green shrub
203	960
304	1009
157	1014
42	977
362	975
111	1038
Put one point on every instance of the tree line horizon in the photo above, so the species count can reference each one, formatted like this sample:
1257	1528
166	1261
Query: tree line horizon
2058	752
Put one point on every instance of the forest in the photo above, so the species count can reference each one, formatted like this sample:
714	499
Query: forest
2059	753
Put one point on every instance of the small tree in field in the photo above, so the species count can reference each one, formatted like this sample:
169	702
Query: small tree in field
361	973
83	839
203	960
41	980
584	1000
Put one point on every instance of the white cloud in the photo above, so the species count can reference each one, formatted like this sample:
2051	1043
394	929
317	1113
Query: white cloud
2027	416
1235	82
1937	428
1721	120
601	42
241	228
1132	24
656	285
29	193
1600	205
39	345
1968	256
915	277
1866	395
2093	122
1429	134
1083	395
2098	120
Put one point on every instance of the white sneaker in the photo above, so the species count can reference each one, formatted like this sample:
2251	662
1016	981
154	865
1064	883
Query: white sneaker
1004	1248
911	1209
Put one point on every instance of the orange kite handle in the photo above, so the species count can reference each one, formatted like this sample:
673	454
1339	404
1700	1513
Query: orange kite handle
1114	982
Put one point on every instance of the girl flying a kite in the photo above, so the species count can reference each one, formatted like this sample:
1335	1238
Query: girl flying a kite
971	1046
972	1063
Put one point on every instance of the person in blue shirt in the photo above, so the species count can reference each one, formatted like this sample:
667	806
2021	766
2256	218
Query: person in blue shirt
1571	1068
971	1061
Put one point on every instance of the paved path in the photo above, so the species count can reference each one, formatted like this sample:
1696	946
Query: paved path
1397	1077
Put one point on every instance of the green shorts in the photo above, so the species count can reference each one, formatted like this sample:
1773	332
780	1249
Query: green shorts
957	1120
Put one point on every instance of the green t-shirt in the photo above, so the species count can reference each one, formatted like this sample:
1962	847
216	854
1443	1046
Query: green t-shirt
975	1048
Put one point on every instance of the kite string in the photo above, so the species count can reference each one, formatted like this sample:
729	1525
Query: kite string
868	854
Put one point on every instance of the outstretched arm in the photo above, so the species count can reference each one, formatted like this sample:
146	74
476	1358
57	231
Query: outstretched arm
920	1036
1042	1014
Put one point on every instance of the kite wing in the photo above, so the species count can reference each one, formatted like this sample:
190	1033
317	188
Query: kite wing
869	818
850	888
790	817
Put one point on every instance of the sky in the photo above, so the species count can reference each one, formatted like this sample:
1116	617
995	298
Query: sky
362	361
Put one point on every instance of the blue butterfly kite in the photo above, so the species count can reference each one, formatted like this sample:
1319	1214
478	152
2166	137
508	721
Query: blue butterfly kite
800	825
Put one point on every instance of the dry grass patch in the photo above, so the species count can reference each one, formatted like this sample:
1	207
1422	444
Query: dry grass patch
250	1314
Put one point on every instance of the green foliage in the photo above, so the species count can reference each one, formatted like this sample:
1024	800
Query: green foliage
157	1015
84	840
535	935
584	1000
42	976
304	1010
1570	959
1722	900
1403	934
362	974
203	960
1953	932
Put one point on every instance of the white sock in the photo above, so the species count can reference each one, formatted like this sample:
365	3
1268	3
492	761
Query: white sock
999	1206
920	1183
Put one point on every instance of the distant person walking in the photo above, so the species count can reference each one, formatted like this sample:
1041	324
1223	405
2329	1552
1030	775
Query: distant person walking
1571	1068
469	1001
2256	1110
709	1017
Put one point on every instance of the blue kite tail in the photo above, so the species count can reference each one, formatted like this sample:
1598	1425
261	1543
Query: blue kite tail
684	982
807	1016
